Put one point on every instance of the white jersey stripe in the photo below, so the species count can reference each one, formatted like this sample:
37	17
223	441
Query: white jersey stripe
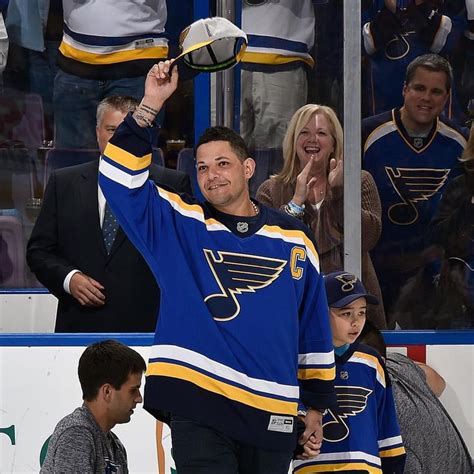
200	361
128	180
383	443
316	358
370	363
95	49
344	456
451	133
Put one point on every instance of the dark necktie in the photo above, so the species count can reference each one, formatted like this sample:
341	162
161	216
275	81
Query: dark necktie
109	228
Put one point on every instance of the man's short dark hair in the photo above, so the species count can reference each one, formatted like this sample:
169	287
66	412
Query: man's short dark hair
107	362
225	134
432	62
123	103
371	336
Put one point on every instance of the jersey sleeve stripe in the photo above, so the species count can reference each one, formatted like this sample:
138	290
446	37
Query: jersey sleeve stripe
390	441
390	453
316	358
441	36
221	388
121	177
320	374
369	43
126	159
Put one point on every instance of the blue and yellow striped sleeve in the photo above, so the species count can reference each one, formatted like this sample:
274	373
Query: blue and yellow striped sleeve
316	365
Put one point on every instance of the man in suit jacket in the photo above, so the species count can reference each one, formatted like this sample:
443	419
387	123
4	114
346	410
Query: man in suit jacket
98	291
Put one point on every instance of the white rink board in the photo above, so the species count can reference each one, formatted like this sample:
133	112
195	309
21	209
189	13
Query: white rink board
39	385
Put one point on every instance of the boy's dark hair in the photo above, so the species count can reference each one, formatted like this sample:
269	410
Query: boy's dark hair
225	134
107	362
371	336
433	63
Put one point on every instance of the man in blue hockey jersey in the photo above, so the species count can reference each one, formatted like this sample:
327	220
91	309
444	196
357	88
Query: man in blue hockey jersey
411	153
243	332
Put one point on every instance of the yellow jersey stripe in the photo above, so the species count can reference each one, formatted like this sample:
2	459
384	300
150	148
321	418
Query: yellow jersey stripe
374	363
296	234
275	58
389	453
221	388
321	374
126	159
112	58
356	466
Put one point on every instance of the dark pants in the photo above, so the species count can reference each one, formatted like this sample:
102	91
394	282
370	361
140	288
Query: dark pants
198	449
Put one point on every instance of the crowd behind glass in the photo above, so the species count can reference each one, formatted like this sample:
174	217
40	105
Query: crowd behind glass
41	110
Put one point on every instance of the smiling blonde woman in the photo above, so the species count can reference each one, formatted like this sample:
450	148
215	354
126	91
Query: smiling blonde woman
310	187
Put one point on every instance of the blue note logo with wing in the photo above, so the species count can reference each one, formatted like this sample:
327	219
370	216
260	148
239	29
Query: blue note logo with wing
238	273
413	185
350	402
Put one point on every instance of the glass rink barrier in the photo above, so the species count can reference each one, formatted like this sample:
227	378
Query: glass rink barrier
39	386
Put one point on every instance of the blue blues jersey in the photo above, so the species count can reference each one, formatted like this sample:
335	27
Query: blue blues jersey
243	330
411	174
362	433
392	41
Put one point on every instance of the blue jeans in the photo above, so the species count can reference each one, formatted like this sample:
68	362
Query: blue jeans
198	449
75	103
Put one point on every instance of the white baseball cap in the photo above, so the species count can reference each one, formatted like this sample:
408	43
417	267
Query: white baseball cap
211	44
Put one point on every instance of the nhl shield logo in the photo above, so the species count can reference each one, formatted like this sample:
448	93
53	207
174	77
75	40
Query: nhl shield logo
242	227
344	374
418	142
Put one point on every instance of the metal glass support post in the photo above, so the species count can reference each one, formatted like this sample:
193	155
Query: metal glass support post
202	87
352	137
225	79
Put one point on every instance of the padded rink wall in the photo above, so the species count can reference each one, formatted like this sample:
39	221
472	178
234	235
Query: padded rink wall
39	385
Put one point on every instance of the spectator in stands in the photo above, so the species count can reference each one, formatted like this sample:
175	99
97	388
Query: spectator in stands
107	49
242	297
463	63
432	441
361	434
394	33
35	30
412	153
110	374
453	229
274	84
102	283
310	187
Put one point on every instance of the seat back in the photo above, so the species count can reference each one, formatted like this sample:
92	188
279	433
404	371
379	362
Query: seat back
12	253
18	178
268	161
186	163
30	130
21	119
62	157
158	156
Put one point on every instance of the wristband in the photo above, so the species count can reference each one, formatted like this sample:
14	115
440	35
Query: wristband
294	210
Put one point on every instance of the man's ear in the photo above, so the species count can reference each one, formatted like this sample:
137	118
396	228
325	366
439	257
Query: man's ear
105	391
404	89
249	167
